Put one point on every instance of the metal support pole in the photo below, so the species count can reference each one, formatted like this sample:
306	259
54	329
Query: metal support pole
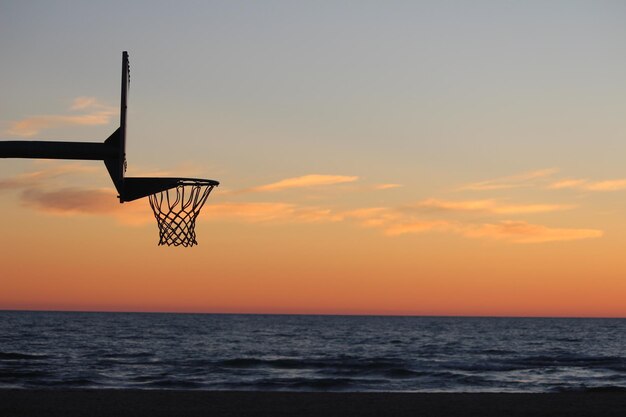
58	150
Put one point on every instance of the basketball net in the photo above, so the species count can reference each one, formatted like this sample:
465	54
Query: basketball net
176	210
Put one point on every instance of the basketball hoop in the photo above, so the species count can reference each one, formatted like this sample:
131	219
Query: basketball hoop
176	209
176	202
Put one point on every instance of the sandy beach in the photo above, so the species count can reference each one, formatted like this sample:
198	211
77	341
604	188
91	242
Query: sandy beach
69	403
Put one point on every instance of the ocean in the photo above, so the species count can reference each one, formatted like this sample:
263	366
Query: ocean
53	350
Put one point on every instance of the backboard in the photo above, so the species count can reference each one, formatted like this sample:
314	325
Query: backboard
117	166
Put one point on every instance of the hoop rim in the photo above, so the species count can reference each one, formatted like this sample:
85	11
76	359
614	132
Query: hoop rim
139	187
196	181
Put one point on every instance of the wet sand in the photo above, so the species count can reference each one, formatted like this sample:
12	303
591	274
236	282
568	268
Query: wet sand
155	403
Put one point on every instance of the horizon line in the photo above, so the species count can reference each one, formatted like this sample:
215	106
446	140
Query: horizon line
315	314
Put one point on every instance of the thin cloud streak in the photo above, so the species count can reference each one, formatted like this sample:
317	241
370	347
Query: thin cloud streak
489	206
31	179
386	186
525	179
71	200
373	216
523	232
311	180
418	227
99	115
81	103
509	231
267	212
586	185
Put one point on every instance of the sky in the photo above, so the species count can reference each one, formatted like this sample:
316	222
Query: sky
399	157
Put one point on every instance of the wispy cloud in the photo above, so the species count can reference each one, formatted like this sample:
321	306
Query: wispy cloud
94	113
542	179
85	202
489	206
266	212
311	180
373	216
586	185
21	181
523	232
30	179
509	231
386	186
82	103
525	179
567	183
71	200
418	227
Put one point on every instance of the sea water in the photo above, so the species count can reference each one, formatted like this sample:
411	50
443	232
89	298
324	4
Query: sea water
310	353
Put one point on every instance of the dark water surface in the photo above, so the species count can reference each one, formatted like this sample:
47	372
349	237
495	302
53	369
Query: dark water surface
310	353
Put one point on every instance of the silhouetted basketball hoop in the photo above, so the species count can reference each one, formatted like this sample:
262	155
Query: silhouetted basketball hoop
176	210
176	202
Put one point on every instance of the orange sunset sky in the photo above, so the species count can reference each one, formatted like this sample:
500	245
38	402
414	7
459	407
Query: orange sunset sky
420	158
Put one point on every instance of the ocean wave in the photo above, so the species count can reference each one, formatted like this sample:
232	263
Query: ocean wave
77	383
514	363
403	373
170	383
23	374
127	355
22	356
302	384
576	361
353	363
